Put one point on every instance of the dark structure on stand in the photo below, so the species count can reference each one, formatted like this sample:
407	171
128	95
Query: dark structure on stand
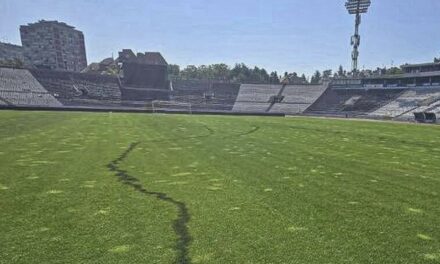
146	70
144	77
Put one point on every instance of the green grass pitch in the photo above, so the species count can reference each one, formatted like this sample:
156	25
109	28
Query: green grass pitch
137	188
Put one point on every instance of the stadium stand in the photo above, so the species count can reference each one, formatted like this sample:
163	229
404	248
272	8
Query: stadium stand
19	88
428	106
330	102
352	101
205	95
2	102
409	102
435	109
257	92
29	99
190	91
256	98
371	100
135	94
80	89
251	107
297	98
225	93
346	97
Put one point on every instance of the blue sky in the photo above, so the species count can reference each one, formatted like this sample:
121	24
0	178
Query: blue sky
282	35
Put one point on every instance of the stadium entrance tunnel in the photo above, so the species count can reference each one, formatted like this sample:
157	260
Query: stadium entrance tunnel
425	117
430	117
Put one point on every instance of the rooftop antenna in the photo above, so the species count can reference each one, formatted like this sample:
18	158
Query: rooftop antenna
356	7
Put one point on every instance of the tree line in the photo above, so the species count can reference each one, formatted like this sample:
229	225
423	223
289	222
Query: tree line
241	73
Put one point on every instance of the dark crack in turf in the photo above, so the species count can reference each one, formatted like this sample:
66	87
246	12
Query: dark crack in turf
183	217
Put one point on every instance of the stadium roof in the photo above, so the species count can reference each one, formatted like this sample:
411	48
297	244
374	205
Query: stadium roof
420	64
406	75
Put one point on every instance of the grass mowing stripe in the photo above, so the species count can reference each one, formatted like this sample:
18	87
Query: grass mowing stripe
180	224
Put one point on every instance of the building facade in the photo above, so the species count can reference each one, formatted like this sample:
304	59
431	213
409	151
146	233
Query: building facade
53	45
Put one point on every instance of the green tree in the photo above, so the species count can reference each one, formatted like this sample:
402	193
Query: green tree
220	71
240	73
274	79
174	70
327	74
190	72
303	79
316	78
394	70
204	72
341	71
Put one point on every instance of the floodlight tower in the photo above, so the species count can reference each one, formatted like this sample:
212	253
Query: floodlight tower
356	7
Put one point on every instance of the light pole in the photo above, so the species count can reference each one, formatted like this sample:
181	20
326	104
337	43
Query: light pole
356	7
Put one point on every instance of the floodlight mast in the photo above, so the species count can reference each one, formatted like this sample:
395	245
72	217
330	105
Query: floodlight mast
356	7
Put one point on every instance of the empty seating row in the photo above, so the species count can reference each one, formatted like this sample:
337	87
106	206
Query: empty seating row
19	80
250	107
190	85
68	85
435	109
205	95
293	108
3	102
30	99
371	100
257	92
331	101
138	94
79	102
409	102
297	98
352	101
302	93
